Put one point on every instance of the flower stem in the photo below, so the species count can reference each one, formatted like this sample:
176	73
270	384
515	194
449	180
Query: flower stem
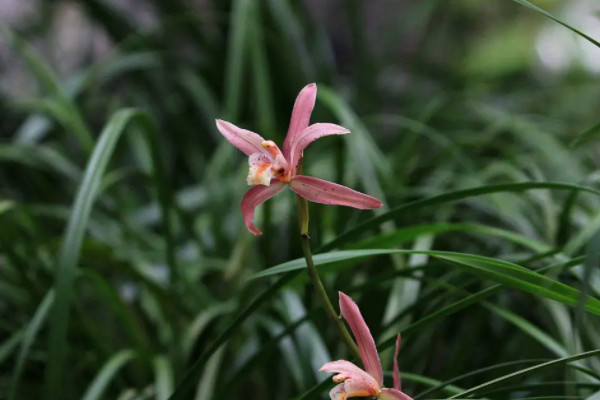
316	280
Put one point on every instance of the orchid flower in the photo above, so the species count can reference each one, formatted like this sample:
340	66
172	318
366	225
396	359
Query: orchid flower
272	169
353	381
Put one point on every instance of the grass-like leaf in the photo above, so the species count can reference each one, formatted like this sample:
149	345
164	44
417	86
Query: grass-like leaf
30	333
496	270
106	374
448	197
71	247
60	105
191	377
552	17
525	371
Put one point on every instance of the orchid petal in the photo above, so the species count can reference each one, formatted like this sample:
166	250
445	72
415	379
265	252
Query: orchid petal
397	382
393	394
348	370
309	135
338	392
246	141
360	388
362	334
305	102
255	197
324	192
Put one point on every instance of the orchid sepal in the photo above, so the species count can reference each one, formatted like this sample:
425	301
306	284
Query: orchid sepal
325	192
246	141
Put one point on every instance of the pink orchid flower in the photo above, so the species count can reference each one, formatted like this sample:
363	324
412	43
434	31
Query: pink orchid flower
271	169
353	381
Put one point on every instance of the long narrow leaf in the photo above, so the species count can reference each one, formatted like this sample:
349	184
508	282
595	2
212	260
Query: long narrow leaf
29	336
525	371
112	367
448	198
497	270
71	246
552	17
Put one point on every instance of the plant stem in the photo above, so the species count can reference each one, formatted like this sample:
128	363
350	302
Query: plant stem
316	280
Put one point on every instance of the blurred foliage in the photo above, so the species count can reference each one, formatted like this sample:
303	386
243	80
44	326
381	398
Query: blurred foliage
124	261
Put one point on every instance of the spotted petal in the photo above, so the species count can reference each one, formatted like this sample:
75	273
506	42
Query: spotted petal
393	394
305	102
309	135
324	192
256	196
362	334
245	140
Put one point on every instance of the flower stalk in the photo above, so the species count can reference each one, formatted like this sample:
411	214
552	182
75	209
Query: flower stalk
303	218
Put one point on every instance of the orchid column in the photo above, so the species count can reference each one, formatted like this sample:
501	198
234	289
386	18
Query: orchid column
271	170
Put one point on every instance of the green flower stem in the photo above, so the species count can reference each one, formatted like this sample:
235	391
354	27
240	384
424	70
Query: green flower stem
316	280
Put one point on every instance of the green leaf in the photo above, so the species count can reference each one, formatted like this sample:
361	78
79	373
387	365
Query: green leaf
448	198
478	371
315	390
9	345
30	333
60	105
322	259
190	379
424	380
236	57
536	333
96	389
526	371
521	278
6	205
260	69
398	236
587	136
73	238
163	382
361	147
496	270
547	14
38	156
465	302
